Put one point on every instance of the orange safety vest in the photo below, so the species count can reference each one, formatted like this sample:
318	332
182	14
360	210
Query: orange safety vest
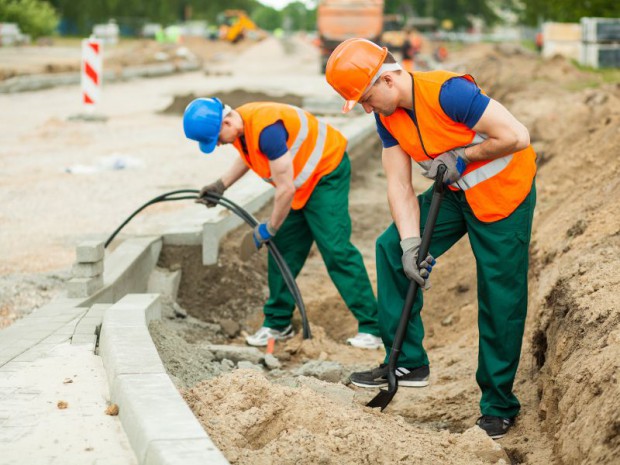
493	188
316	147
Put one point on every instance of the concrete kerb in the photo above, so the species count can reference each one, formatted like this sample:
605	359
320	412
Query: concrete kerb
32	82
160	426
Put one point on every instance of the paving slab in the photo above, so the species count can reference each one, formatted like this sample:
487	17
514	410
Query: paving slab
34	430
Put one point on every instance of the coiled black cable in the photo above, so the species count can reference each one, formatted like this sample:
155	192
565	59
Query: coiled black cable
289	279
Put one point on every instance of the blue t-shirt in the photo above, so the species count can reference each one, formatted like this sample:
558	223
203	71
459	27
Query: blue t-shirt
459	98
272	140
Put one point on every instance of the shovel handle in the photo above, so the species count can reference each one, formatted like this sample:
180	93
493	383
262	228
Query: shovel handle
412	291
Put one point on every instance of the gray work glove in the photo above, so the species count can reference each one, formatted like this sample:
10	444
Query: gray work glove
216	187
455	161
421	274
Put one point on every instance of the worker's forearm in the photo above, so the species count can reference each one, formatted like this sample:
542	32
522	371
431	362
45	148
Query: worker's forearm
505	134
405	210
281	204
235	172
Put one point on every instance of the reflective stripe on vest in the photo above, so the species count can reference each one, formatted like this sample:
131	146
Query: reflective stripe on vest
315	156
317	152
483	173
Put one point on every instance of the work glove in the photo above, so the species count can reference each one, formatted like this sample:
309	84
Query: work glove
262	233
455	161
216	187
421	274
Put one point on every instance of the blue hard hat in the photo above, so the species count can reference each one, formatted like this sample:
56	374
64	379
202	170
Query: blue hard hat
202	122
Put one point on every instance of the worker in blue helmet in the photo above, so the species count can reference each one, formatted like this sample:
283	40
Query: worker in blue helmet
305	160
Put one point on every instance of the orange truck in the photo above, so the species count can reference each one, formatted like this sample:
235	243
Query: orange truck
338	20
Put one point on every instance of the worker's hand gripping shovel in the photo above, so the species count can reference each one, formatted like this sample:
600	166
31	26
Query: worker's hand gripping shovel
384	397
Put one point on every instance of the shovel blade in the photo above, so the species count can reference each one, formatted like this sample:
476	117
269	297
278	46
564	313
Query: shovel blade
247	247
382	399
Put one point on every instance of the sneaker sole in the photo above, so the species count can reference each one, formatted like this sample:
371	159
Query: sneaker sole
373	347
416	384
266	342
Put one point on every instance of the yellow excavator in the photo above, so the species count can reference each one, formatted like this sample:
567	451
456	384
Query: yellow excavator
234	25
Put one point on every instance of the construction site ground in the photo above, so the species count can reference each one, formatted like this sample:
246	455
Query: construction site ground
58	188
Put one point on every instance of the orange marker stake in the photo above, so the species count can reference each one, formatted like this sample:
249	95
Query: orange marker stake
271	344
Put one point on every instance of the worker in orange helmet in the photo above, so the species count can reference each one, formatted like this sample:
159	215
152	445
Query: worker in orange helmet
305	160
441	118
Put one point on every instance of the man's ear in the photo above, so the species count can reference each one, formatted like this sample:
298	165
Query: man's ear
388	79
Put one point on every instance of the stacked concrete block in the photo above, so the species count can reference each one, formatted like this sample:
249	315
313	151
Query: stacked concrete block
87	270
165	282
561	39
601	42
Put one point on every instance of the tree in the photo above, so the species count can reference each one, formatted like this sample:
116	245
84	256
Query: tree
34	17
267	18
535	11
459	12
301	19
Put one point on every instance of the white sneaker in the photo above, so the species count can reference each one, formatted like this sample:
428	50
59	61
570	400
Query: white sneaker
365	341
260	337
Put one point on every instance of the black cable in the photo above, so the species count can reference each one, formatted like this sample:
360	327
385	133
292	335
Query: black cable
288	277
277	256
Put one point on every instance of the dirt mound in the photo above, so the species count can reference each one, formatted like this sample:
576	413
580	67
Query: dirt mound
255	421
577	304
574	301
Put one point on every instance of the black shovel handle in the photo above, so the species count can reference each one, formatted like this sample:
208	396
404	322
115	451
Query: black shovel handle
383	398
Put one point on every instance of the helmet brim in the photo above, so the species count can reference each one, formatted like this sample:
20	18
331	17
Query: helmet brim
207	147
348	105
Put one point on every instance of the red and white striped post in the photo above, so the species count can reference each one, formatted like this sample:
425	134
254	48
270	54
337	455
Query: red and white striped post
92	67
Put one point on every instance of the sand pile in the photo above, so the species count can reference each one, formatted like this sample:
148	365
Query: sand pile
255	421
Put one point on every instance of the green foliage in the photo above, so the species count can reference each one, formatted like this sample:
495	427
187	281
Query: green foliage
83	14
267	18
458	11
531	11
299	17
536	11
34	17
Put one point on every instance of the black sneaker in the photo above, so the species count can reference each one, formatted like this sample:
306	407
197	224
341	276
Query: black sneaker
495	427
377	377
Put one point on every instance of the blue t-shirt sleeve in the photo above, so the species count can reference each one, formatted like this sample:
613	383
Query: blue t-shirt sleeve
462	101
272	140
386	138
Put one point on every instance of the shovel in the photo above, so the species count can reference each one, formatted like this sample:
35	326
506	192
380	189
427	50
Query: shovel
383	398
247	247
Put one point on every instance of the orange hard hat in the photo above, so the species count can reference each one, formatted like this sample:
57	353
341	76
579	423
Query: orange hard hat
351	68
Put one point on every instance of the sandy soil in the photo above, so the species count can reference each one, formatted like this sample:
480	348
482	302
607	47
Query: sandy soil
569	366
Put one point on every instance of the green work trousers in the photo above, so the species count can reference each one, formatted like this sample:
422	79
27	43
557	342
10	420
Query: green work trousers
324	219
501	252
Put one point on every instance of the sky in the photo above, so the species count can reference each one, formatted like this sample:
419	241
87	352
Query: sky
279	4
